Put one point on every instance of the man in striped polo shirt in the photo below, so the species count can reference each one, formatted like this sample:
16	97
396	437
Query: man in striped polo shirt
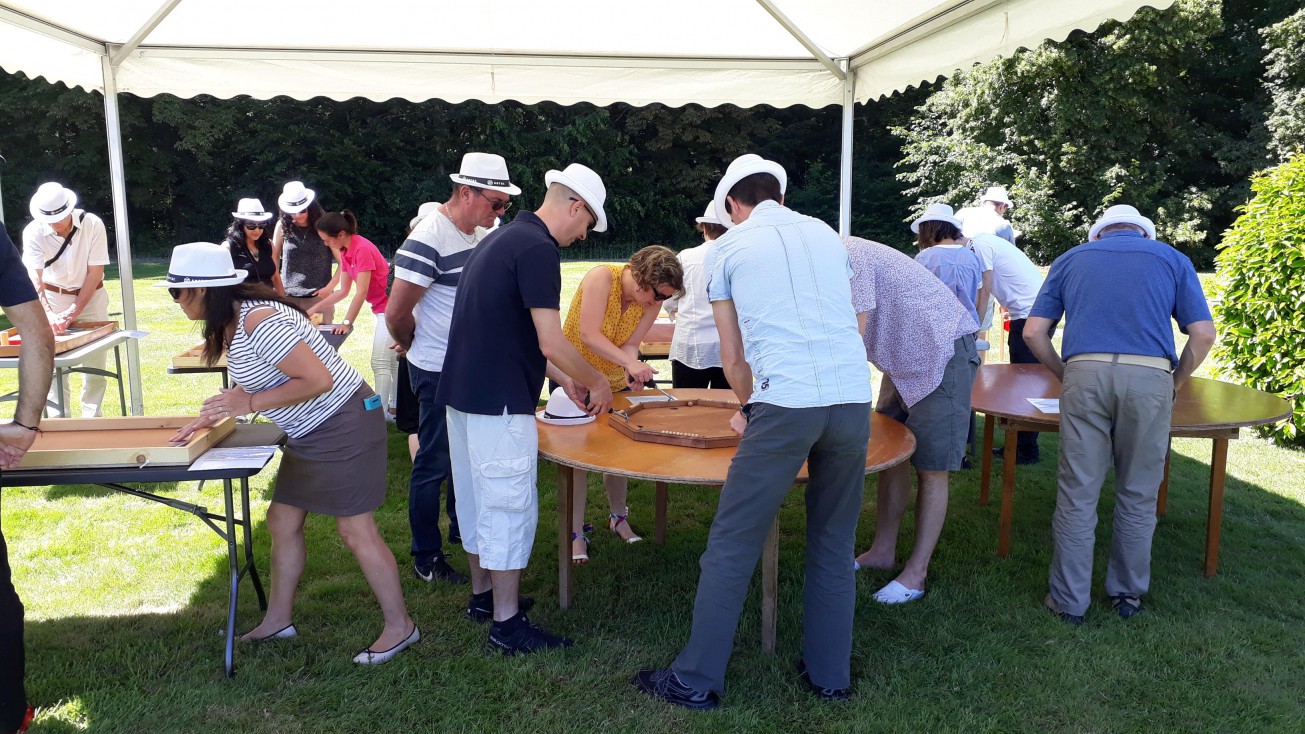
427	269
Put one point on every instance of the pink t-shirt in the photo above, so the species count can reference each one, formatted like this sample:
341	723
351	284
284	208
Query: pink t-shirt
362	256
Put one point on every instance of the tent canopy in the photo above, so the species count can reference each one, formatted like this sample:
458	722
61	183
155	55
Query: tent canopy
742	52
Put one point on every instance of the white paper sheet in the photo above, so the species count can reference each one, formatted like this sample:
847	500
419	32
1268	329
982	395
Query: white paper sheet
1046	405
242	457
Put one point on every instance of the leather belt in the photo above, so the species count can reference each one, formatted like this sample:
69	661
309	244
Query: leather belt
1159	363
67	291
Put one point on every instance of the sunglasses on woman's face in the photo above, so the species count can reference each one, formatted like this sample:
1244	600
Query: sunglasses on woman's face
175	293
254	225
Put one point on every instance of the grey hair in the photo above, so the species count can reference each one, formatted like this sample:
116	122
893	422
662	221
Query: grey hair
1121	226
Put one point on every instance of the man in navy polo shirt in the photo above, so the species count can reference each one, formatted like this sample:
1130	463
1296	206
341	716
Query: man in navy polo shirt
1119	376
35	368
506	334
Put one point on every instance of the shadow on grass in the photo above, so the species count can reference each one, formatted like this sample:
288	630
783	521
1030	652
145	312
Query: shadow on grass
977	654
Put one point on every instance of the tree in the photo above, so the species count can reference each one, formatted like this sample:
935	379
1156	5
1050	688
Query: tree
1285	82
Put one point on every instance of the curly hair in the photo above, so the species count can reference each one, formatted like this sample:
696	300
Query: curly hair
655	266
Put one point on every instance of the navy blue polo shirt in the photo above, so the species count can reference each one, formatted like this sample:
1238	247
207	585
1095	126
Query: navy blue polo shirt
1118	295
15	286
493	361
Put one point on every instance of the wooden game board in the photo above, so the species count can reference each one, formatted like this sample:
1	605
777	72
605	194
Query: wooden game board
703	424
78	334
127	441
194	358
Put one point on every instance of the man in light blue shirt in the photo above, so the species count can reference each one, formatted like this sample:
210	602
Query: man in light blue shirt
781	295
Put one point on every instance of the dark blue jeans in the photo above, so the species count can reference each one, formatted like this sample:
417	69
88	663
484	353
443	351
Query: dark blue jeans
1027	441
430	468
13	698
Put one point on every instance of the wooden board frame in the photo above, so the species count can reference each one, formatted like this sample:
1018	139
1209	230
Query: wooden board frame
62	342
193	358
622	422
93	456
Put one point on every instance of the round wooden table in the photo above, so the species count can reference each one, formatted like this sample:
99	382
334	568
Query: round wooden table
1202	409
598	447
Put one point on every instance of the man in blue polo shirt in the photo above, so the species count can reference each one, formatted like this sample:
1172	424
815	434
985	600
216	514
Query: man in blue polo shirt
1119	376
35	367
505	335
780	290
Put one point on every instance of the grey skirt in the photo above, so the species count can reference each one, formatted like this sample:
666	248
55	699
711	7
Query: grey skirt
339	467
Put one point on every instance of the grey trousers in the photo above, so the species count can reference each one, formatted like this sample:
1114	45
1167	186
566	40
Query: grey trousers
777	440
1109	414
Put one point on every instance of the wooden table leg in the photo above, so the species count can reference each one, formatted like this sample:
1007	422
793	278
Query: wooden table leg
1007	494
985	479
565	498
1162	499
1214	523
663	495
770	587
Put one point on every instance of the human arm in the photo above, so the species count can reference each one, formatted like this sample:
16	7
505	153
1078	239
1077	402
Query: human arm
278	239
35	367
1200	338
596	289
1037	335
642	373
363	281
399	318
94	277
981	303
573	389
861	322
563	356
737	371
334	289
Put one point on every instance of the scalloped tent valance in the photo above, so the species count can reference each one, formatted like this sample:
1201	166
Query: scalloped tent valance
742	52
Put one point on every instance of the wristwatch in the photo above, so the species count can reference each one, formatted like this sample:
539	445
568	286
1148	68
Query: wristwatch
347	322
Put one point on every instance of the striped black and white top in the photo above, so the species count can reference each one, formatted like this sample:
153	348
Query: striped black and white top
252	359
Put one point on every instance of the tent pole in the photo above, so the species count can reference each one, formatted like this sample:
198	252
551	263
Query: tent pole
845	154
118	181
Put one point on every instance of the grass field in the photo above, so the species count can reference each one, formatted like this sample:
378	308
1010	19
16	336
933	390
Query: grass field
125	600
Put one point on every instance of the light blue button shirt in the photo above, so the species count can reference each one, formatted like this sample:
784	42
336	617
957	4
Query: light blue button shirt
790	280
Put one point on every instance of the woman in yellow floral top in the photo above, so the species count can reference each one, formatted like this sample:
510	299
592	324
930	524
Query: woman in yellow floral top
609	315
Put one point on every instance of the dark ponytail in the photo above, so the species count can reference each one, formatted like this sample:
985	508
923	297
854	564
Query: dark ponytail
335	223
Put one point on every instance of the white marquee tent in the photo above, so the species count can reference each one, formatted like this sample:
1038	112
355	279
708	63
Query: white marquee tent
709	52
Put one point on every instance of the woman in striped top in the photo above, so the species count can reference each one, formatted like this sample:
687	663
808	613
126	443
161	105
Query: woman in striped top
334	460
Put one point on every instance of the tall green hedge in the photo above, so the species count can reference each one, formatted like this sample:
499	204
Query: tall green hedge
1261	287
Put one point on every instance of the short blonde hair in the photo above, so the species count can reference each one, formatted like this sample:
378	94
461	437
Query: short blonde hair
655	266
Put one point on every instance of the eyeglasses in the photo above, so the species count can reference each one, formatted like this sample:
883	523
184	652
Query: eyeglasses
255	225
495	204
591	214
660	296
175	293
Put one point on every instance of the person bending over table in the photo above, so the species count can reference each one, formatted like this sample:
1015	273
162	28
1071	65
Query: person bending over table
35	369
695	346
609	315
363	264
922	338
249	239
334	461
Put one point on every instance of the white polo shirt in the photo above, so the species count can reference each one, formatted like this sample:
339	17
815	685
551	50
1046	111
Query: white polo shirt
1015	279
89	247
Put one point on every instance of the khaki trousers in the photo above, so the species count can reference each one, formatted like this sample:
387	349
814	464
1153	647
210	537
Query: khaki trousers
97	309
1110	414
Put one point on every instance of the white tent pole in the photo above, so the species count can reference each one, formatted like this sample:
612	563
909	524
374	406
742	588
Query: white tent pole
804	39
139	36
118	180
845	154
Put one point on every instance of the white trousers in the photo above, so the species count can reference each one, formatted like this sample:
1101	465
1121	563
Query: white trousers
385	362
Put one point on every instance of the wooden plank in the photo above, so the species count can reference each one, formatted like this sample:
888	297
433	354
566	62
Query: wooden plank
126	441
81	333
194	358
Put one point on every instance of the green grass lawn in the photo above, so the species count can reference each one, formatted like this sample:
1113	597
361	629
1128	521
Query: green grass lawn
125	600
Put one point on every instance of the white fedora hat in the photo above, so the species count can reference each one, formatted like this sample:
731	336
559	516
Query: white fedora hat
997	194
562	411
485	171
1122	214
201	265
251	210
739	169
582	180
52	203
295	197
936	213
709	216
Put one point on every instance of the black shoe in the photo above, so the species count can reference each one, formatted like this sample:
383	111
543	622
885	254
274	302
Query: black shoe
481	610
1075	620
1020	459
455	535
966	463
829	694
1126	606
666	685
517	636
438	568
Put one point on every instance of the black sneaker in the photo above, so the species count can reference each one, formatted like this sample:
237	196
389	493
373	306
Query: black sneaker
481	610
667	686
438	568
1126	606
1020	459
455	535
1075	620
517	636
829	694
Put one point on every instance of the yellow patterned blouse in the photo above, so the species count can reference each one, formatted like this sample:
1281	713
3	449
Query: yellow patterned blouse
617	327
